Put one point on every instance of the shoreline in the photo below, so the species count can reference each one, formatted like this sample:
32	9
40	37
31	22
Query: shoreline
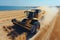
12	10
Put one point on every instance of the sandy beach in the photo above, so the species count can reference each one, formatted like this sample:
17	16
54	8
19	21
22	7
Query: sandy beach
6	16
46	28
5	20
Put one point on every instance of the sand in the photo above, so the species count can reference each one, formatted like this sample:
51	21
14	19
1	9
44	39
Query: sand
48	30
55	35
6	16
5	20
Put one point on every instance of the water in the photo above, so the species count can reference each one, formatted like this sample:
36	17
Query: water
15	8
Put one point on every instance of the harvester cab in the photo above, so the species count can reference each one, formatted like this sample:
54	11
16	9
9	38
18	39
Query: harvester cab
32	13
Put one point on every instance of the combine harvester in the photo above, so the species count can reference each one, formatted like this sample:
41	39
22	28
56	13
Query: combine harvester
29	25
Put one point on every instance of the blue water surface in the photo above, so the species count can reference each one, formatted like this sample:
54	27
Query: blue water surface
16	8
